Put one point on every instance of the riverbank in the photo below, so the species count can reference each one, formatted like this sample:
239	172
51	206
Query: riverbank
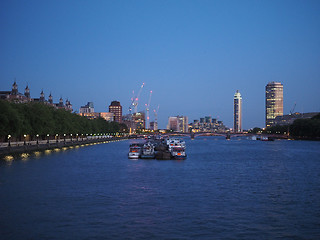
16	148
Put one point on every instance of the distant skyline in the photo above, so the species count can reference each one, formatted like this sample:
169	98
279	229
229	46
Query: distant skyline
193	55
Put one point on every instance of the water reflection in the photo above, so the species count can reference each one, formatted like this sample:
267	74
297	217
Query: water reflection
25	156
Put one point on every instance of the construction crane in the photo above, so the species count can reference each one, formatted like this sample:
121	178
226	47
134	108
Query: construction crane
147	109
156	115
135	100
292	110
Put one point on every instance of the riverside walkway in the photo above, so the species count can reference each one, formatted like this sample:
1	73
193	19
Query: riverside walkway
13	148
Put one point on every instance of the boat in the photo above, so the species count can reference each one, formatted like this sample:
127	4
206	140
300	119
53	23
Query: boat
134	151
265	138
178	152
148	150
175	142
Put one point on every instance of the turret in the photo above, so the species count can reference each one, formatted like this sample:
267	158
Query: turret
27	92
68	105
50	99
61	102
14	89
42	96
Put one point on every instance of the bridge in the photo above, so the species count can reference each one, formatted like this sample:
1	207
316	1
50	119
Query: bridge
231	134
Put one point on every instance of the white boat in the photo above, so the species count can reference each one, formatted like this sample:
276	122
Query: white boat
134	151
175	142
148	150
178	152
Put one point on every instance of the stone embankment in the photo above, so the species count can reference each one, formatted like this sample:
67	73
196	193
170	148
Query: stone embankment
15	148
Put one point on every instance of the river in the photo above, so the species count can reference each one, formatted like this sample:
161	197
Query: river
237	189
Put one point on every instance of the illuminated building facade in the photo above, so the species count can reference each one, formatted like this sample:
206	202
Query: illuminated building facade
274	102
237	112
178	124
173	124
116	109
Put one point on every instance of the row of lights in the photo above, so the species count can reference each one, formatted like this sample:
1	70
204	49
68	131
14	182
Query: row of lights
99	135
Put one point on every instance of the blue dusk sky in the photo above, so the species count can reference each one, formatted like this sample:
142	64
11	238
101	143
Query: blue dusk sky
193	55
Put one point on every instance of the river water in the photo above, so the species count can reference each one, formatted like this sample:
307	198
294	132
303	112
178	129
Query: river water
237	189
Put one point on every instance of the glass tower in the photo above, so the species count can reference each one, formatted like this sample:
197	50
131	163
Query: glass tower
274	102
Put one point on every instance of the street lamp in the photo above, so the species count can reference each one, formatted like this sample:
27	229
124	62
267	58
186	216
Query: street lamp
57	137
24	139
77	137
64	138
37	139
71	136
9	138
48	138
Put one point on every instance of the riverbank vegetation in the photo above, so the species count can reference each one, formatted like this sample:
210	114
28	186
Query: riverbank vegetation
300	129
38	118
306	128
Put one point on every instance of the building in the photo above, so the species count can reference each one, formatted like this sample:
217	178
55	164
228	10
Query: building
207	124
154	126
237	112
116	109
183	123
15	96
108	116
289	118
274	102
88	108
90	115
138	121
173	124
178	124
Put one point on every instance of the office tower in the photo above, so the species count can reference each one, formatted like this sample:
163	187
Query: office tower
183	123
173	124
116	108
274	102
237	112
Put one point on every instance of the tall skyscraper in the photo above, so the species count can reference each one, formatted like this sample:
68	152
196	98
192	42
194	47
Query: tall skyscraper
274	102
116	108
237	112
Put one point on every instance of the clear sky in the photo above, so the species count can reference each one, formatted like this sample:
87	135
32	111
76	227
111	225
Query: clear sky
193	55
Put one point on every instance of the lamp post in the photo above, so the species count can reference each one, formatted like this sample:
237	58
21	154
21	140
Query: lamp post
9	140
82	137
24	139
57	135
71	136
37	139
77	137
64	138
48	138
